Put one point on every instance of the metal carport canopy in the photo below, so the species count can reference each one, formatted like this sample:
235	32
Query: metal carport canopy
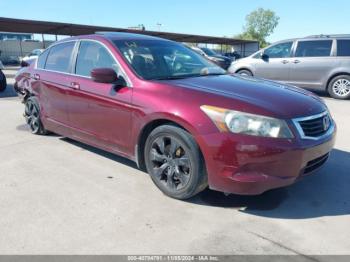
53	28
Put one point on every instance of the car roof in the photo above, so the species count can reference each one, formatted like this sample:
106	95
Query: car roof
337	36
316	37
113	36
128	36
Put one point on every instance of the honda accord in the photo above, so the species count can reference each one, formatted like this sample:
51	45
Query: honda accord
181	118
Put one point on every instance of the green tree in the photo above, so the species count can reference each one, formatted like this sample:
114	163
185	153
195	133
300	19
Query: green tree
259	25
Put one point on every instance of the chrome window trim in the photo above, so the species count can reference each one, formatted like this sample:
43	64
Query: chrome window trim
127	79
301	132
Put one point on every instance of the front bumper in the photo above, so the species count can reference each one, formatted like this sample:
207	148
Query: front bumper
250	165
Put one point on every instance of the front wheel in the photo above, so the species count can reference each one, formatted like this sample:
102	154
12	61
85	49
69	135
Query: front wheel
339	87
174	162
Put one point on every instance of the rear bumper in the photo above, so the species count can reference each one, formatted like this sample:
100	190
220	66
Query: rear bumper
252	165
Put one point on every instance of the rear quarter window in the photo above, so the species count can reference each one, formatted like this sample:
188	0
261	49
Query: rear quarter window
343	47
42	59
59	57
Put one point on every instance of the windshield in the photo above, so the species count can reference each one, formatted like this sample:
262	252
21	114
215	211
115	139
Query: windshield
158	60
208	51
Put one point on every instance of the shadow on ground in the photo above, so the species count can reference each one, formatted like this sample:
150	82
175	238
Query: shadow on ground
321	93
325	193
100	152
9	92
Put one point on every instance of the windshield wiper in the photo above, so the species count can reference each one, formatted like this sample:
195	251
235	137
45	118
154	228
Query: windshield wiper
185	76
213	74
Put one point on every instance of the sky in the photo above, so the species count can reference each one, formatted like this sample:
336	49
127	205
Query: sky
298	18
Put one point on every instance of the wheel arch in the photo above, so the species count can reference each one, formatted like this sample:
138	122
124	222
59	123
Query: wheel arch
333	76
245	68
147	129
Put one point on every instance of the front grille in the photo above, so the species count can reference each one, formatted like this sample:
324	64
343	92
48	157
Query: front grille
314	126
316	163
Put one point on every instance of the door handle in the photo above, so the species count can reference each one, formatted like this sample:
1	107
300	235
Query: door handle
296	61
285	61
75	85
36	77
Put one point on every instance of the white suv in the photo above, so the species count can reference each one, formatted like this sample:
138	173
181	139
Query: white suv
317	62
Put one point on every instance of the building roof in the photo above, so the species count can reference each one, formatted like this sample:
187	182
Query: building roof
54	28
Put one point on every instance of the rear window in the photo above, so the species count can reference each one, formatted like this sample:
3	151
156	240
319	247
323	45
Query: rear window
59	57
318	48
42	59
343	47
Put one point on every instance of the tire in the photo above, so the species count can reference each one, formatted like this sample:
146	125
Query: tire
174	162
339	87
244	72
3	83
32	116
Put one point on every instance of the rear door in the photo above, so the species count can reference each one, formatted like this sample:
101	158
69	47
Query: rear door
99	113
51	80
276	66
312	62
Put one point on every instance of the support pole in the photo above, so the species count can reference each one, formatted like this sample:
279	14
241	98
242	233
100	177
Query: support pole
20	46
42	38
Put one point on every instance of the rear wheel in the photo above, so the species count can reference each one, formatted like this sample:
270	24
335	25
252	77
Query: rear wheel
339	87
2	81
32	116
174	162
245	72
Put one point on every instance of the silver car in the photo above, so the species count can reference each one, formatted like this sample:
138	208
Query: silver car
316	62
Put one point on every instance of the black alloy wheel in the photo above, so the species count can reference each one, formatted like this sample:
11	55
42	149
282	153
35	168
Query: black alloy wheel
32	116
174	162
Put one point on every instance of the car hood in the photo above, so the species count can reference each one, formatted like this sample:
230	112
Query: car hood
278	99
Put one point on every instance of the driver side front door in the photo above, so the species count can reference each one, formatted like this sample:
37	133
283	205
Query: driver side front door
276	62
99	113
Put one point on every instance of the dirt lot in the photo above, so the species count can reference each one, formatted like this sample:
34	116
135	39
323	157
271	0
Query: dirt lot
62	197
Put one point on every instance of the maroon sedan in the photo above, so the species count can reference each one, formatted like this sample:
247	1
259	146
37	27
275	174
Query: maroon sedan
176	114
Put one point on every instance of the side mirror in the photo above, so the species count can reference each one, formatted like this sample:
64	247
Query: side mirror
104	75
264	57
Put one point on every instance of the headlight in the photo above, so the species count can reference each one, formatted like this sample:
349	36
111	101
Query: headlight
248	124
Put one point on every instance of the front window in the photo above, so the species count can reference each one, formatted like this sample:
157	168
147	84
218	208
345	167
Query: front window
93	55
158	59
281	50
257	55
315	48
